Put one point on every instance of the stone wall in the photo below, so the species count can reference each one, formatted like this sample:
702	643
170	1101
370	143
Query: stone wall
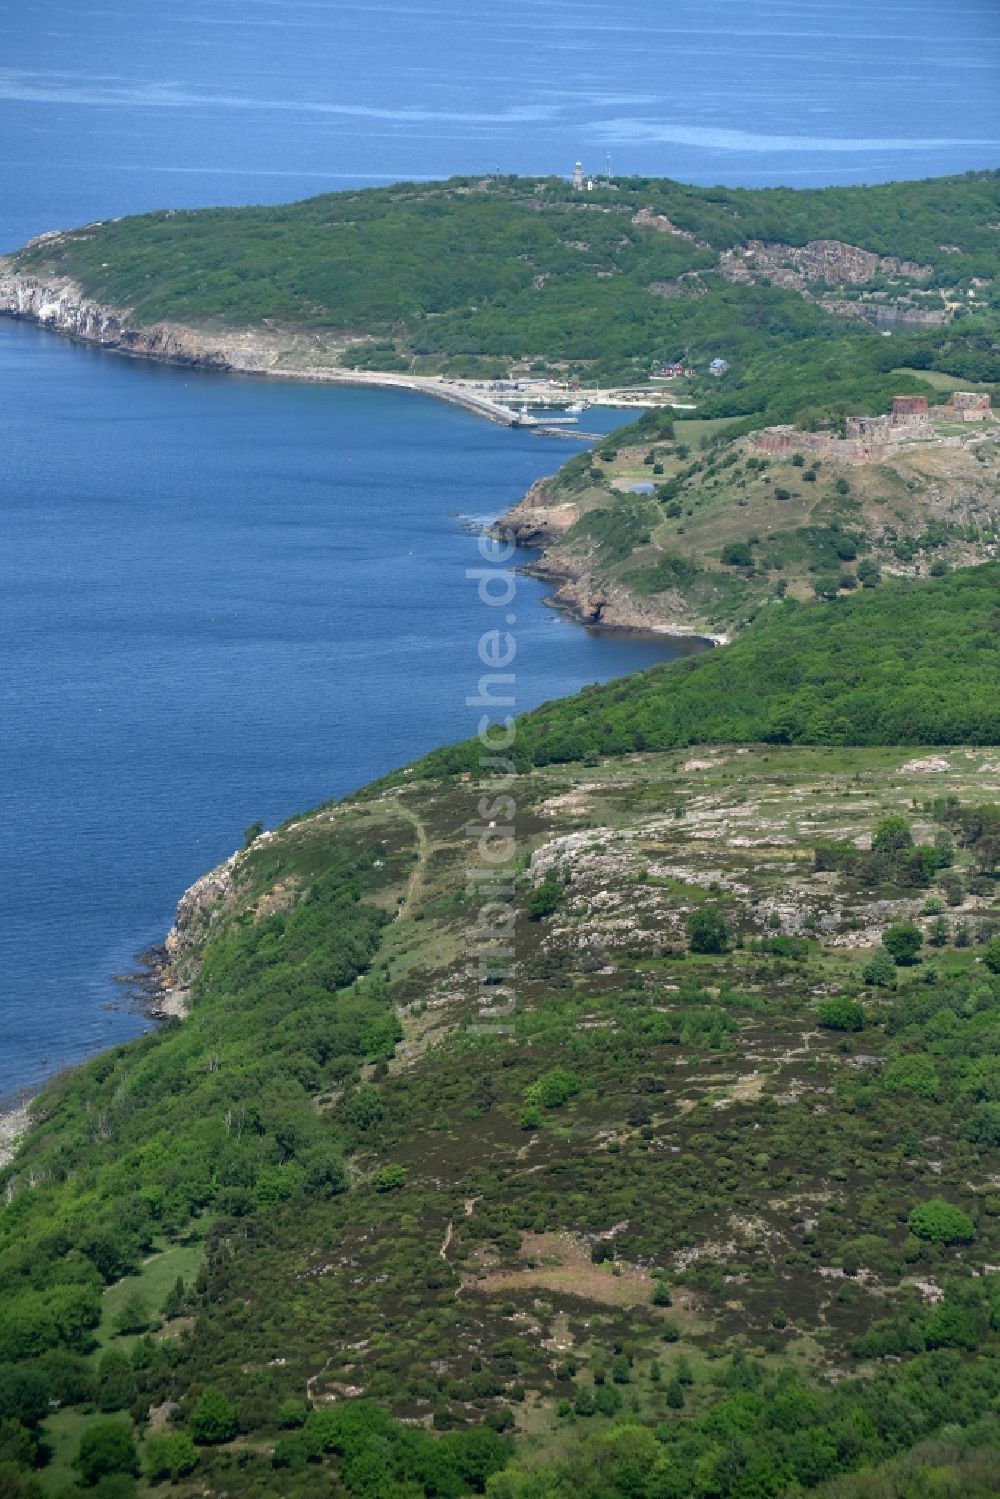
870	428
905	407
789	439
969	406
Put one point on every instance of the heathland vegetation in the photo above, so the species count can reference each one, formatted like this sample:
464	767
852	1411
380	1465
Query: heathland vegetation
689	523
718	1213
715	1211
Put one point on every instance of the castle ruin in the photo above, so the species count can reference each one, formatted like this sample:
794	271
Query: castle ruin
869	439
968	406
909	418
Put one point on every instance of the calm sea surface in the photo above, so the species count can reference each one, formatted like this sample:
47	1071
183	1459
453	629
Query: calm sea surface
220	599
114	107
223	599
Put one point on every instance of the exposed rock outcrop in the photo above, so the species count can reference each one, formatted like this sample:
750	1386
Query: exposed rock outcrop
12	1126
889	315
577	590
198	908
58	303
647	219
533	523
834	263
604	602
829	260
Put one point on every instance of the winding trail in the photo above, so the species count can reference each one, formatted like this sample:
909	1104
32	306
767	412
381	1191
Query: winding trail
314	1379
415	884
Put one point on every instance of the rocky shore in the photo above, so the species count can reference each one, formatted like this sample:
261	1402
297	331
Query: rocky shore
13	1124
160	986
598	602
60	304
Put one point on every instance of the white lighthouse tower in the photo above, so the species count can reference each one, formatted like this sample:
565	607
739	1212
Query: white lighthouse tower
578	176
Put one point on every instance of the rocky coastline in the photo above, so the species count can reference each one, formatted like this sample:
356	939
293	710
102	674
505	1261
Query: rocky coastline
160	986
539	526
13	1124
161	982
61	305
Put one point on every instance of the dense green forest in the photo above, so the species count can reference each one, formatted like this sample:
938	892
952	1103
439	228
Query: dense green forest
471	276
908	663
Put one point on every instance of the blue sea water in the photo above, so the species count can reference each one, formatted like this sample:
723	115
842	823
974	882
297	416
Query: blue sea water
116	106
223	599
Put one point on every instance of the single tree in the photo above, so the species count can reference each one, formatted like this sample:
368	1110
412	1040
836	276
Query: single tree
106	1447
938	933
707	930
880	970
116	1385
213	1419
133	1316
584	1402
169	1455
891	834
545	898
904	942
175	1300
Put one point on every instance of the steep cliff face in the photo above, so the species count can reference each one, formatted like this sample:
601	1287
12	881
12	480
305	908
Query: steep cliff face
832	263
202	910
535	521
60	304
887	314
197	909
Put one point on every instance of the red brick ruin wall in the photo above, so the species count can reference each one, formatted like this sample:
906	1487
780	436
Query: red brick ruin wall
909	406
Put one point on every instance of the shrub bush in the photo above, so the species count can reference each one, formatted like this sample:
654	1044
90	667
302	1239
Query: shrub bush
106	1447
903	941
940	1223
880	970
213	1419
841	1015
389	1178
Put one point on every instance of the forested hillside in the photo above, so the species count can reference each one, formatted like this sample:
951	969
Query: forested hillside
909	663
716	1215
485	276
